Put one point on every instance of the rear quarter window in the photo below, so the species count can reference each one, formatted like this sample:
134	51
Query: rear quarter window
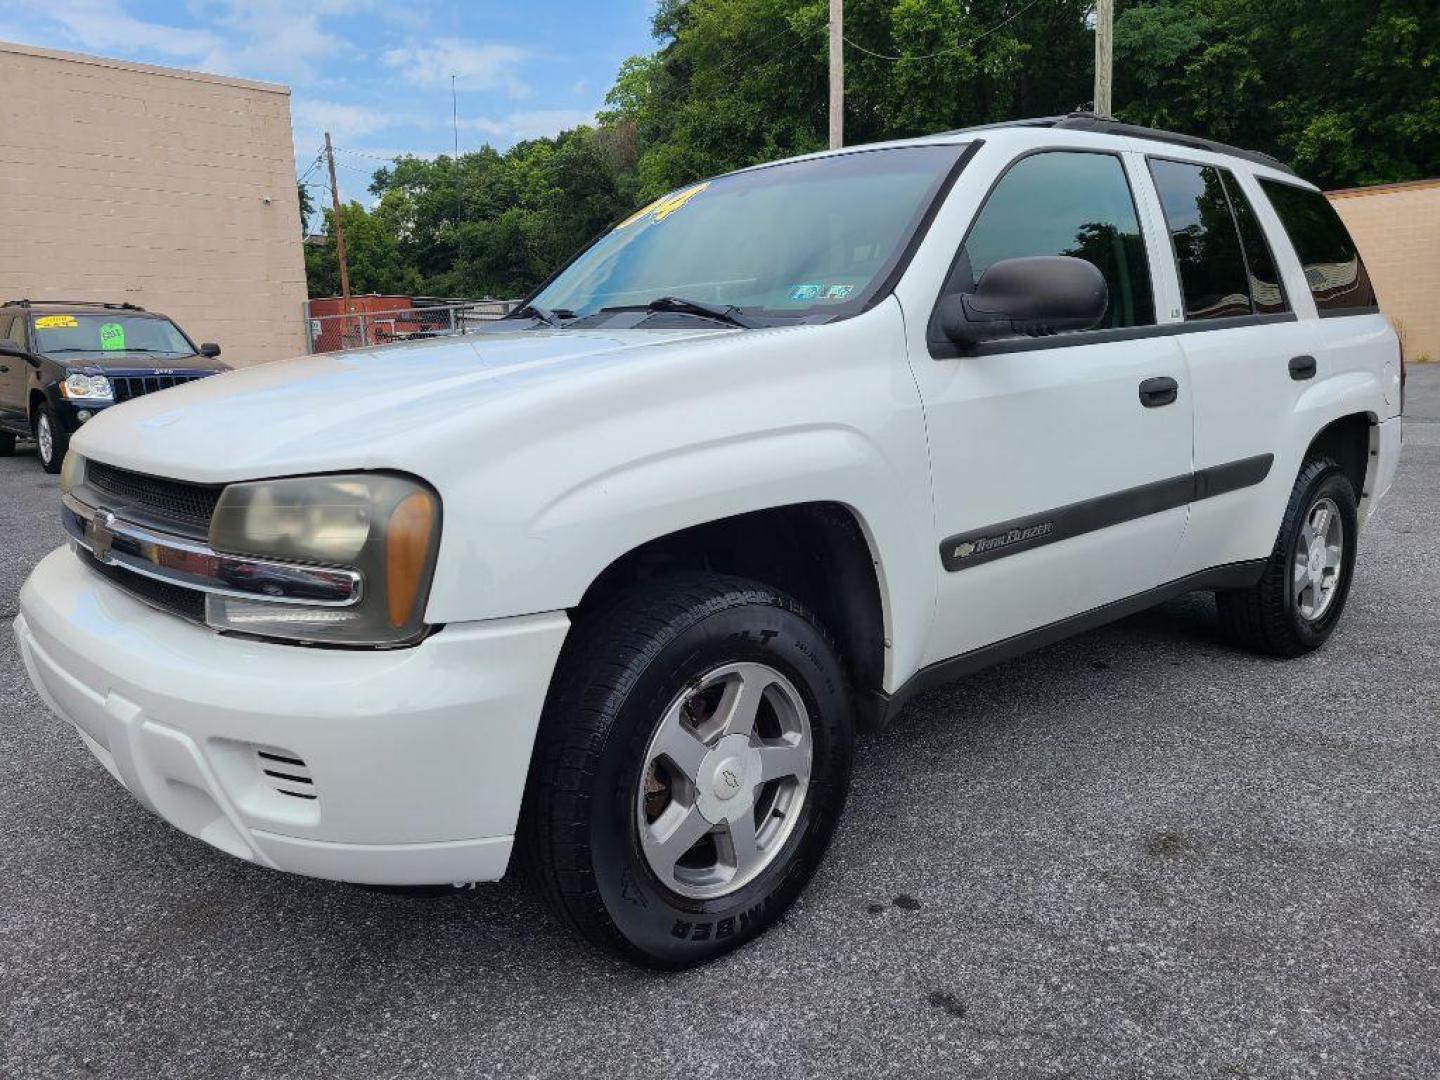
1331	261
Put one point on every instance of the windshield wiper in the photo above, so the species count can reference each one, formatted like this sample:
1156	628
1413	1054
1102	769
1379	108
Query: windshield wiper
726	313
542	315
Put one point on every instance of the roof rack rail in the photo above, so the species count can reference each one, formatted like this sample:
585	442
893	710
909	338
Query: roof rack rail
1089	121
126	306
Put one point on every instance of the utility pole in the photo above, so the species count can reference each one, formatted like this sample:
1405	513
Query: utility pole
837	74
1104	54
339	227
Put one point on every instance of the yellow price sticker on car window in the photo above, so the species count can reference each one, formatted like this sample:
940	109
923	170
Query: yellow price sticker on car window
56	322
664	206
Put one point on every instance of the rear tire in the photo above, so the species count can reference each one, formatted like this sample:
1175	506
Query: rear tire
50	440
1294	607
610	808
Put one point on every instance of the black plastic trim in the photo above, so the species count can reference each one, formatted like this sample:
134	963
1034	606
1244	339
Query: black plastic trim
1101	337
964	550
1341	313
1238	575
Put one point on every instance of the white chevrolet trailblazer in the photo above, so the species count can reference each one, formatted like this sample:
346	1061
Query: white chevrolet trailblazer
611	586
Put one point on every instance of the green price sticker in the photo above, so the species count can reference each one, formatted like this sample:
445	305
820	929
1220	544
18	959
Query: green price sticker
112	337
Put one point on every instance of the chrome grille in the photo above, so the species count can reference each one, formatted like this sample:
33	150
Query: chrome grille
176	599
173	503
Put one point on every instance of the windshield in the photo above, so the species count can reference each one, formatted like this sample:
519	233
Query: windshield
109	334
796	239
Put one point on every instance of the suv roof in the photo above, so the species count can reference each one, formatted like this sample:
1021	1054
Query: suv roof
1108	125
71	304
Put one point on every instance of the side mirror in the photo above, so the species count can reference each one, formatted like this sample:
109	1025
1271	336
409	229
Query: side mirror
209	348
1033	296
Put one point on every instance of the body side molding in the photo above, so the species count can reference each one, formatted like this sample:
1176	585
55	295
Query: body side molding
964	550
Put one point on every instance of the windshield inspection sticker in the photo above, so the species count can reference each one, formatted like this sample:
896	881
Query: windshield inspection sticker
112	337
56	322
802	294
839	292
664	206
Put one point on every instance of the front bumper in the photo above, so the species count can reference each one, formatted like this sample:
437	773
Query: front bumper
415	758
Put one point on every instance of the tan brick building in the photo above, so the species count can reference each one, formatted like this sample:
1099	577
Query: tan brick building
1397	228
170	189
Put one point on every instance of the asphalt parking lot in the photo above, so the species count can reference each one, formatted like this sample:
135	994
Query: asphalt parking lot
1137	854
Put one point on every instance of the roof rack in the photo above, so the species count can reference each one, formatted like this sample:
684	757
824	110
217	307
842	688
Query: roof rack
1108	125
74	303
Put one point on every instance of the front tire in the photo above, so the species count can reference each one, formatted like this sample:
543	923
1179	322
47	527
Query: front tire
50	440
690	768
1295	606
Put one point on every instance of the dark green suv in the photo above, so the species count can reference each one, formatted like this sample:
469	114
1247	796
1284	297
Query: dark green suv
62	362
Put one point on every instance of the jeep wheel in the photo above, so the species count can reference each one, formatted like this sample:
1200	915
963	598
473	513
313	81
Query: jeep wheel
50	440
690	768
1294	607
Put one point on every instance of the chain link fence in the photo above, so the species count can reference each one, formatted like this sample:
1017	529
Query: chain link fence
328	331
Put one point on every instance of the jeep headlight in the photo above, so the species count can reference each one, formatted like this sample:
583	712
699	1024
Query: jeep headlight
384	527
87	388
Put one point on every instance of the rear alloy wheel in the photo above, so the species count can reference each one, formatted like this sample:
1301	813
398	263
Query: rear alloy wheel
50	441
1295	605
690	768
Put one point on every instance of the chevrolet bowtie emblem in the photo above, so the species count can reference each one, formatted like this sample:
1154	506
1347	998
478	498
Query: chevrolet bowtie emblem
101	535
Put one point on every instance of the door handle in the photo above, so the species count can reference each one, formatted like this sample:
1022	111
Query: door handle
1302	367
1161	390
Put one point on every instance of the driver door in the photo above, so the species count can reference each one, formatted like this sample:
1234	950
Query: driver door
13	371
1058	486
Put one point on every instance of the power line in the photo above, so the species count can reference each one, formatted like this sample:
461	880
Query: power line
951	49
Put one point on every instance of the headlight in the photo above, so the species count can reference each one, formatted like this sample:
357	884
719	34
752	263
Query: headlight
87	387
385	527
72	472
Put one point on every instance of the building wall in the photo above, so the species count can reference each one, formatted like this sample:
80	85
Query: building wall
1397	228
169	189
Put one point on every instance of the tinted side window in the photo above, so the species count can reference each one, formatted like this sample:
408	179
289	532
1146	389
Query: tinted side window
1065	203
1213	276
1266	292
1332	265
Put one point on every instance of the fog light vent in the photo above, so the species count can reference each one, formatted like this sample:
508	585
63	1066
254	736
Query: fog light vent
287	773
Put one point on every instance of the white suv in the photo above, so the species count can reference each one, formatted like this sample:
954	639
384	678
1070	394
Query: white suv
614	584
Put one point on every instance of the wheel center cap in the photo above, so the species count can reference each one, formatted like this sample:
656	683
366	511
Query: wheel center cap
729	779
1317	558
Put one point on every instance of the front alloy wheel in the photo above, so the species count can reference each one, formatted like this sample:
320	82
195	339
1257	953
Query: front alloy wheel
50	441
690	768
724	781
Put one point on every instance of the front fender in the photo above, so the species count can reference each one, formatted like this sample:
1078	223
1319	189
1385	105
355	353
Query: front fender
594	469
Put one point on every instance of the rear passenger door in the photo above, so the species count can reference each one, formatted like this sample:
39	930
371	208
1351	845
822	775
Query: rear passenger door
1247	356
1057	488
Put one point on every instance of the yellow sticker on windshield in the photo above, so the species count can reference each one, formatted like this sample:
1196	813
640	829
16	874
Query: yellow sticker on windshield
664	206
112	337
56	322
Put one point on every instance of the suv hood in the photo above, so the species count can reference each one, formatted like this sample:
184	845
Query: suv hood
349	410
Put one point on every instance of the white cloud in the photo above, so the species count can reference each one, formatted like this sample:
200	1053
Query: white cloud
343	121
478	66
529	123
270	38
104	27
